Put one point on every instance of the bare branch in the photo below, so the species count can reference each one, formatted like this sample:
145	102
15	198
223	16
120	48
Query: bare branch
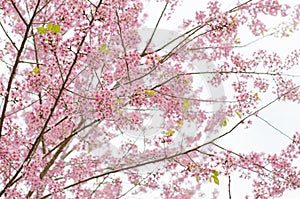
268	123
156	26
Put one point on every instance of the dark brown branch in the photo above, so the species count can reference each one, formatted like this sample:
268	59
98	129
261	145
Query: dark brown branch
138	78
189	33
178	37
183	43
229	189
12	180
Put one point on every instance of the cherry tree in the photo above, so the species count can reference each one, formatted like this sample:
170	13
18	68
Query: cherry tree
78	74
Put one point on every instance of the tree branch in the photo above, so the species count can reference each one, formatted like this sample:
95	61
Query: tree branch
174	155
156	26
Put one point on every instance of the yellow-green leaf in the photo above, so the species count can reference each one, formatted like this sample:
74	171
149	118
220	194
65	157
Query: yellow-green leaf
186	105
186	81
49	26
224	123
118	101
236	14
55	28
36	70
180	123
215	173
237	41
157	58
150	92
103	49
216	179
41	30
256	96
170	132
119	111
197	179
239	115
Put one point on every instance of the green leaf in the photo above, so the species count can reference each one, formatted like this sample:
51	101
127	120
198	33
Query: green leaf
180	123
36	70
186	105
55	28
41	30
197	179
215	173
256	96
118	101
150	92
170	132
89	148
103	49
186	81
224	123
119	111
49	26
239	115
216	179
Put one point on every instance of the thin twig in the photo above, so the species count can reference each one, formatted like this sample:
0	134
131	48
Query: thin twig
123	44
282	133
156	26
10	39
229	190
